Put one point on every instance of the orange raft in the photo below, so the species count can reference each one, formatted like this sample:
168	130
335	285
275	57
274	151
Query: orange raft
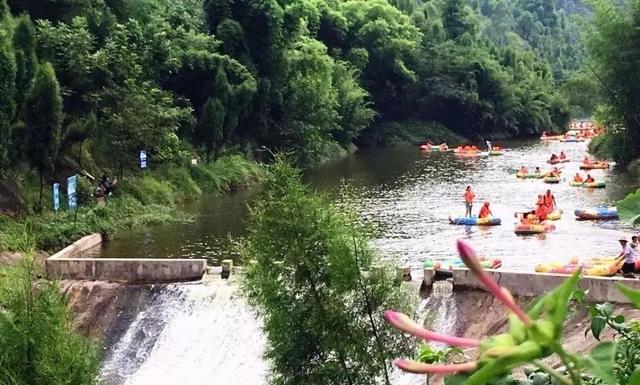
594	166
531	229
435	148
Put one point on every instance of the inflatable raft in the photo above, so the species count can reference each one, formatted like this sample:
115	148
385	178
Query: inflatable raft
448	264
551	179
556	161
475	221
572	140
435	148
594	166
551	137
599	268
555	215
589	185
597	213
496	152
542	228
530	175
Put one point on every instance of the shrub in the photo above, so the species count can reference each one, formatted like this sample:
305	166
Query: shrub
37	345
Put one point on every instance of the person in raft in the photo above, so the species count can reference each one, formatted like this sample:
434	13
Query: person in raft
549	201
540	200
627	256
468	201
562	155
524	170
485	212
537	170
554	157
578	178
555	173
541	212
586	160
589	179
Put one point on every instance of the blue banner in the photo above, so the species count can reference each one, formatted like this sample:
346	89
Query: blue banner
56	196
72	183
143	159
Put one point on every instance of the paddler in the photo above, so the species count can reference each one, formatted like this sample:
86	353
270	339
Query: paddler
524	170
589	179
578	178
555	172
537	171
554	157
468	201
562	155
586	160
540	200
485	212
542	212
549	201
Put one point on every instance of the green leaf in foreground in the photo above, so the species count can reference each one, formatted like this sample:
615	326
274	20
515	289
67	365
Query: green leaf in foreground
629	207
600	362
633	295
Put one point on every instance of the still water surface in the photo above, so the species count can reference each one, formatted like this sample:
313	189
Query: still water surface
409	196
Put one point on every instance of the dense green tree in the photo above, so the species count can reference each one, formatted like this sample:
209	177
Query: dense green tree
43	119
211	125
24	42
7	100
312	275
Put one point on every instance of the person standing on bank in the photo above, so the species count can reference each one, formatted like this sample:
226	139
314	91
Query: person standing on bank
468	201
627	256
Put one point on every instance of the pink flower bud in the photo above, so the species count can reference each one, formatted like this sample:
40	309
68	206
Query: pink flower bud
403	322
420	368
468	255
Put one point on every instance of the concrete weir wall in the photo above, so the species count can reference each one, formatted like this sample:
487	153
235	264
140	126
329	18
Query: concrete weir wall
69	264
599	289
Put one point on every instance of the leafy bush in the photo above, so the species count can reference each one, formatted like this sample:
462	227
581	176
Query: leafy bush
312	278
38	346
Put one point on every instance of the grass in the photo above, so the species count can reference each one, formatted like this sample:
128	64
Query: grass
143	200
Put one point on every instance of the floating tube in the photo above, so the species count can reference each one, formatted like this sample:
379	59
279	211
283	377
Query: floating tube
435	148
594	166
572	140
551	179
544	227
597	213
475	221
556	161
448	264
600	184
601	267
555	215
530	175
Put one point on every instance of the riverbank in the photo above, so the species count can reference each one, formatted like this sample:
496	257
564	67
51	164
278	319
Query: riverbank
141	200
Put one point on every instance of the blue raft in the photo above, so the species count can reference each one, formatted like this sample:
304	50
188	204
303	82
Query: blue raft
475	221
597	213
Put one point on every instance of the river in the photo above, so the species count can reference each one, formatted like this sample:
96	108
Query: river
205	333
408	196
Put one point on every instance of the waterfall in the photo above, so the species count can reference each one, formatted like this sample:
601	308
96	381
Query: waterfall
190	334
206	333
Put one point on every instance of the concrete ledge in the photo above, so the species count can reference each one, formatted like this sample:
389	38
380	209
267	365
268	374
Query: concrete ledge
126	270
79	247
429	275
599	289
69	264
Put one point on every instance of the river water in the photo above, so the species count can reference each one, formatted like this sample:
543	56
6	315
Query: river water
205	333
408	196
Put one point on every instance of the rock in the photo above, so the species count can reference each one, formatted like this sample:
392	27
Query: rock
10	258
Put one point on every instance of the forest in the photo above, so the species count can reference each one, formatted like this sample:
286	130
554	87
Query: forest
87	84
